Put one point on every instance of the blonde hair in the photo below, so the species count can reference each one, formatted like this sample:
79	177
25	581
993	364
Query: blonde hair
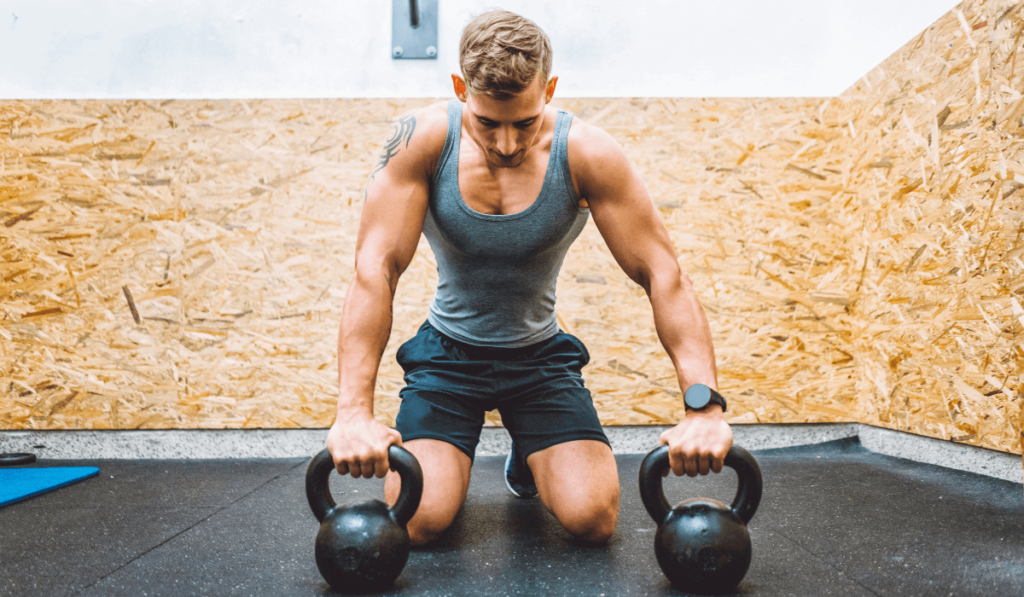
501	53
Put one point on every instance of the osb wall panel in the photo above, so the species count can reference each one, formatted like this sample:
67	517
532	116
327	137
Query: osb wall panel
231	226
938	139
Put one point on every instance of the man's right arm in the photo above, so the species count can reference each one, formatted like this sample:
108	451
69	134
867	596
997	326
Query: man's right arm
392	219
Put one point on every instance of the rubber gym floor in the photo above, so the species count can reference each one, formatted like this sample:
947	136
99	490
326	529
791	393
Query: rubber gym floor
835	519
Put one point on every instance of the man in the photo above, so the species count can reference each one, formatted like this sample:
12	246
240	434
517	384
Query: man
501	184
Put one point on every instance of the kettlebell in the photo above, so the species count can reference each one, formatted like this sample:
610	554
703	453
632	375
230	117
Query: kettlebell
702	545
363	547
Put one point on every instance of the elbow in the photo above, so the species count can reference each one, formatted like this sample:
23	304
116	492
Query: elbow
643	280
374	268
646	279
669	277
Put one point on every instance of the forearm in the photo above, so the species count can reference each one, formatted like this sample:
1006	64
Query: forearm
683	328
364	331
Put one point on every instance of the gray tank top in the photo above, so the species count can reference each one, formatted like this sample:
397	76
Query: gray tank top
497	273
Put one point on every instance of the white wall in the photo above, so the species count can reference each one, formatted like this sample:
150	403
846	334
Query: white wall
341	48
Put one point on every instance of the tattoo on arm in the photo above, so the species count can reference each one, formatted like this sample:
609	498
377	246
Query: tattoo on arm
401	130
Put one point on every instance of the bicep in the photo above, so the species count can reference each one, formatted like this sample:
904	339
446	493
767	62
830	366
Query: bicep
392	220
396	198
625	215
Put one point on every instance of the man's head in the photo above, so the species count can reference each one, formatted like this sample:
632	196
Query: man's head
505	60
502	53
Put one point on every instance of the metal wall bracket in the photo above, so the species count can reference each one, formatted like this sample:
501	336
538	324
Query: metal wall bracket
414	29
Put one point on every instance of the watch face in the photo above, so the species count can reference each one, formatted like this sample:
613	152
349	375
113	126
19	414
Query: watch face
698	396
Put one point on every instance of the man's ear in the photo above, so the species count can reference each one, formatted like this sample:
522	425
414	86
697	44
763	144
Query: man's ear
460	88
549	92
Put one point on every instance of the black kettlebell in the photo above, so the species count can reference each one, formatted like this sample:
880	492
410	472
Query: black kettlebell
702	545
363	547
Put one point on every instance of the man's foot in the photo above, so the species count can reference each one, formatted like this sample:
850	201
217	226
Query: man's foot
518	477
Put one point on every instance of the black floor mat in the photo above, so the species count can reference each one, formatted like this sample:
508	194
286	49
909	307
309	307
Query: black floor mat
835	519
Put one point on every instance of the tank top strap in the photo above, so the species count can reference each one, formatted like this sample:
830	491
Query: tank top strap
560	152
451	139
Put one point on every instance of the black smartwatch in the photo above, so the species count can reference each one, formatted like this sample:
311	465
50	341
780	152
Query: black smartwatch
698	396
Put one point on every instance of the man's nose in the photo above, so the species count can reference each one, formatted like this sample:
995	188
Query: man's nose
506	143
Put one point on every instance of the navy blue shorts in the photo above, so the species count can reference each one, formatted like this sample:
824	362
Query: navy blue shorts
538	390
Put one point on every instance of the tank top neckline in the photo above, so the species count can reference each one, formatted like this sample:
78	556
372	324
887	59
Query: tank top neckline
456	150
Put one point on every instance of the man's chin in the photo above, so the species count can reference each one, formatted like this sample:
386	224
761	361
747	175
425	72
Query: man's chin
500	163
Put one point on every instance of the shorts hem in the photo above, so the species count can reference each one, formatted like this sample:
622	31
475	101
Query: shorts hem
554	441
440	438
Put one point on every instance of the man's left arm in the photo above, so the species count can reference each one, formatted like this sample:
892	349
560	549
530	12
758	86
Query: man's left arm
637	238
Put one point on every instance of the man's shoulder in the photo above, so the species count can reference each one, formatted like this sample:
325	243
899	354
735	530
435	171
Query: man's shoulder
429	129
433	114
415	141
589	146
431	123
587	135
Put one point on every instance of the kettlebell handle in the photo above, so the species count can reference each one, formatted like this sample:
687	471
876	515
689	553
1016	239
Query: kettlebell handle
748	494
318	489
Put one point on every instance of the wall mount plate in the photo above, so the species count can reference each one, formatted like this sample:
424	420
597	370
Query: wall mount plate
414	29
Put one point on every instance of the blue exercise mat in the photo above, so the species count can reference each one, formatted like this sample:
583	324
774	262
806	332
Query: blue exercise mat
17	484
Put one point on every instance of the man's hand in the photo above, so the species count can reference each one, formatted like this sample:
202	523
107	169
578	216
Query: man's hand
359	444
699	443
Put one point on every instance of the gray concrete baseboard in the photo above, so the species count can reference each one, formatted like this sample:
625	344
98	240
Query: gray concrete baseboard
494	441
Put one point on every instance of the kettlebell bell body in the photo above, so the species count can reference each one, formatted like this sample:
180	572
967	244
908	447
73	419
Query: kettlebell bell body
702	545
363	547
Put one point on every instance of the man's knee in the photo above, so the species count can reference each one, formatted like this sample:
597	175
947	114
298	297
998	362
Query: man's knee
427	525
445	481
592	520
436	512
579	483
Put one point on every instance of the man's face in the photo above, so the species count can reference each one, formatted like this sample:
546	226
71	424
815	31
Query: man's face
506	129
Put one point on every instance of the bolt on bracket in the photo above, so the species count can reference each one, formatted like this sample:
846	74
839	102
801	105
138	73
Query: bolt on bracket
414	29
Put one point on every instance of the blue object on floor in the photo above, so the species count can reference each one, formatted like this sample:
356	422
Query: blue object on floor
22	483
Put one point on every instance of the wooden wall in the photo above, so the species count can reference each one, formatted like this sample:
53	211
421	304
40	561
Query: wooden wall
859	256
937	133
